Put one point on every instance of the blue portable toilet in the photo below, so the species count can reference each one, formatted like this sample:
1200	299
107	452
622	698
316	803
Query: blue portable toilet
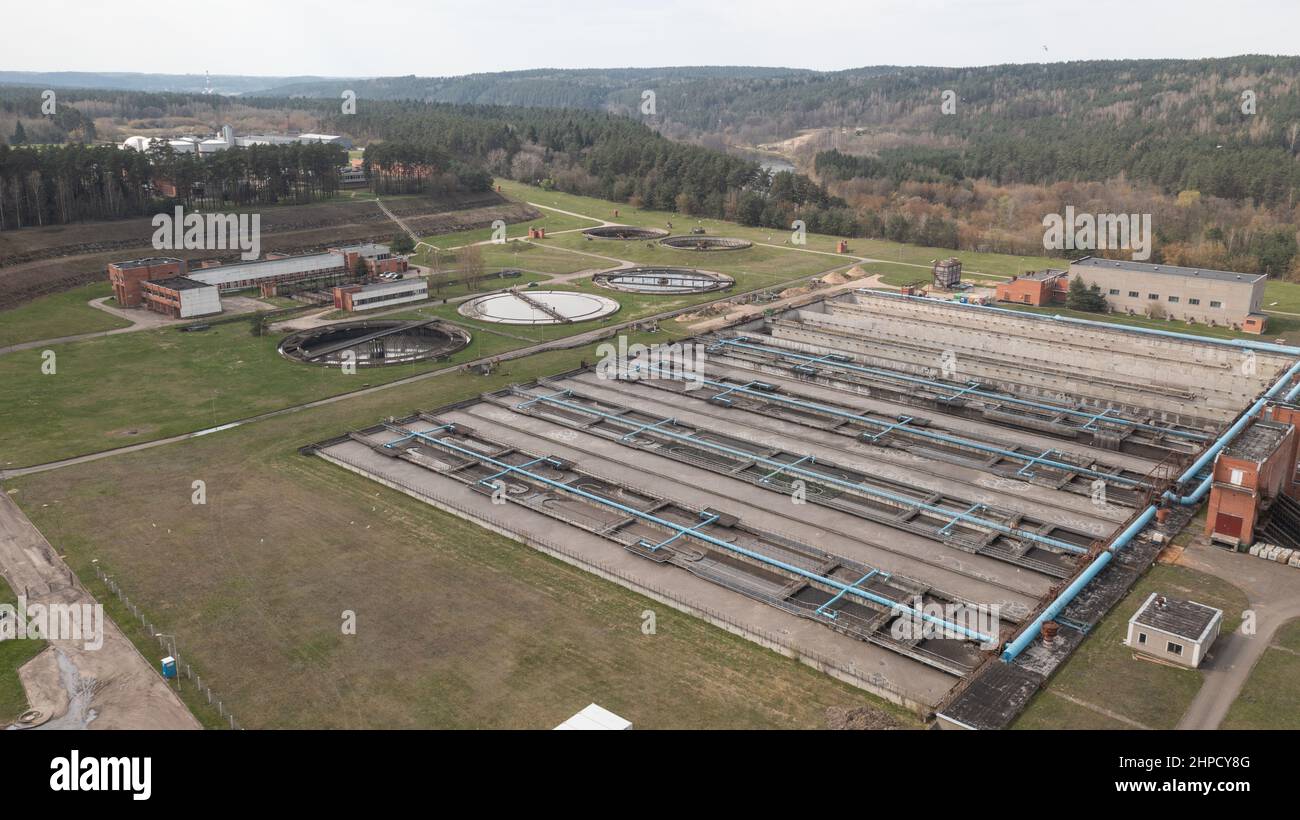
169	667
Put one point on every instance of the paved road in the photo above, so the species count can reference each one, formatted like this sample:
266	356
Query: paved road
145	321
1274	594
139	318
109	687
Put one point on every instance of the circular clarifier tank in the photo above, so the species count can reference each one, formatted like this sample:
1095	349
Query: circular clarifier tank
624	232
706	243
373	344
662	280
538	307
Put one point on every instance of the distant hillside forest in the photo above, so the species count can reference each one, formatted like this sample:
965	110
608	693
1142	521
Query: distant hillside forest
598	155
412	147
1153	119
1208	147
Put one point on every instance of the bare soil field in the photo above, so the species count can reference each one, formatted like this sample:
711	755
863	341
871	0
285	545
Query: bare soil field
39	261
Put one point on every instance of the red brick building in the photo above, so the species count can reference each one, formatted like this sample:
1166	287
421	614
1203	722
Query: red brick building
1249	474
180	297
127	277
1037	288
378	259
339	265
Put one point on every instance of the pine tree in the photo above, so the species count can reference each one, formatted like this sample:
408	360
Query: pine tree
1085	297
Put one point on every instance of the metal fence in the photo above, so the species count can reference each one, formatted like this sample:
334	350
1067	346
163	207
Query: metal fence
184	671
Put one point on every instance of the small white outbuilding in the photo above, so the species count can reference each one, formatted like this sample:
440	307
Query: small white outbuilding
1174	630
595	717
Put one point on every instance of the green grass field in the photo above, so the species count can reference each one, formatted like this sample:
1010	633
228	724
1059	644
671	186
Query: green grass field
549	220
484	286
990	263
527	256
1268	700
1288	636
1051	710
760	264
95	400
1154	695
13	654
119	390
1283	297
457	627
62	314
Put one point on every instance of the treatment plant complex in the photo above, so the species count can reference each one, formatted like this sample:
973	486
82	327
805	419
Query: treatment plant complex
936	502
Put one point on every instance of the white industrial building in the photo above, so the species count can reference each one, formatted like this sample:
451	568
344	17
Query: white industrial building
250	274
226	139
181	297
381	294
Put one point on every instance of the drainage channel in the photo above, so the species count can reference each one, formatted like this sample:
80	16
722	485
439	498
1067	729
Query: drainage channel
1047	467
951	476
1105	428
959	523
845	595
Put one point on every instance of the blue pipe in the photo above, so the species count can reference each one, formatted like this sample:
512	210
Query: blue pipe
916	431
850	589
831	614
1098	564
830	479
1213	450
1027	636
742	342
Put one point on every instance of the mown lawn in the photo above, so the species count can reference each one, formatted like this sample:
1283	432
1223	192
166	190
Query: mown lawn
988	263
457	627
550	220
118	390
60	314
1271	694
13	654
1103	671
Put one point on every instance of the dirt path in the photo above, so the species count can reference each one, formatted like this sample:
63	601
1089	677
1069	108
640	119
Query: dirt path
603	222
1274	593
1101	710
76	686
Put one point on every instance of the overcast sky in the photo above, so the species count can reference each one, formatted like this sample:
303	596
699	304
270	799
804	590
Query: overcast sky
436	37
